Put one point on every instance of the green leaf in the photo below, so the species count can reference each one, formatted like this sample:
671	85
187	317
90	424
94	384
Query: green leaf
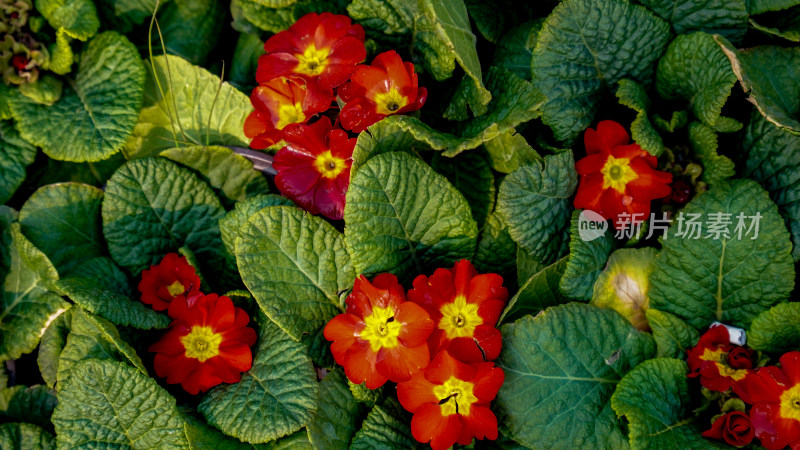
562	367
15	156
24	436
585	261
624	284
725	17
103	270
527	265
471	174
224	170
439	33
760	6
535	203
63	221
654	397
51	345
186	105
275	398
727	279
250	13
540	291
336	420
773	159
497	252
703	140
633	95
249	48
672	335
78	18
235	221
784	24
768	75
35	259
27	307
509	150
494	19
295	264
33	404
190	28
695	70
124	14
99	298
97	111
404	218
386	427
202	436
92	337
7	217
465	98
585	47
153	207
515	49
777	329
45	91
62	56
109	403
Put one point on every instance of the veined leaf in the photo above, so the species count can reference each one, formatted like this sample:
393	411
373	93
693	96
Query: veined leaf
33	404
725	17
673	336
471	174
336	420
496	252
540	291
777	329
509	150
111	403
704	142
235	221
760	6
25	436
385	427
15	156
190	28
50	346
633	95
561	368
585	261
404	218
730	276
78	18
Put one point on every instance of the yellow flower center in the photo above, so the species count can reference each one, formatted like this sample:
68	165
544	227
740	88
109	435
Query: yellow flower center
459	318
312	62
389	102
328	165
201	343
176	288
381	330
290	114
720	359
617	173
790	403
455	397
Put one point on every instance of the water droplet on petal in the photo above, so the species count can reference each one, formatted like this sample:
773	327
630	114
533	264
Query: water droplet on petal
627	200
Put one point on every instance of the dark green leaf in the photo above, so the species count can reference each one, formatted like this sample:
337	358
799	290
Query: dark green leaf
673	336
471	174
777	329
725	17
52	343
15	156
703	140
336	420
33	404
633	95
585	261
386	427
540	291
25	436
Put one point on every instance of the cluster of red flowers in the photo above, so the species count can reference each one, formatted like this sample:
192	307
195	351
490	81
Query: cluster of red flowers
437	344
773	393
618	180
305	68
208	341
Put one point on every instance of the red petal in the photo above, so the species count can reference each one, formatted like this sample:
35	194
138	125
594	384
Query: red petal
590	191
417	324
392	64
612	134
764	386
400	363
358	114
416	392
488	380
360	367
774	432
445	366
591	164
275	65
481	422
428	425
790	364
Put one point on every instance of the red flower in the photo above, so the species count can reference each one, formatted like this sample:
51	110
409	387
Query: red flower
323	47
388	86
735	428
465	307
381	337
618	177
775	396
208	343
314	167
171	278
450	401
278	103
717	362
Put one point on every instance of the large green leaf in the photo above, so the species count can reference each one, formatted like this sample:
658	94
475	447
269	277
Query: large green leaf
634	96
295	264
386	427
337	418
496	252
725	17
562	367
224	170
760	6
585	47
654	397
773	159
471	174
769	76
109	403
63	221
97	111
27	306
235	220
24	436
777	329
92	337
153	207
494	19
585	261
187	105
673	336
33	404
439	32
15	156
535	203
515	49
695	70
784	24
540	291
275	398
190	29
51	345
78	18
404	218
705	144
730	279
510	150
